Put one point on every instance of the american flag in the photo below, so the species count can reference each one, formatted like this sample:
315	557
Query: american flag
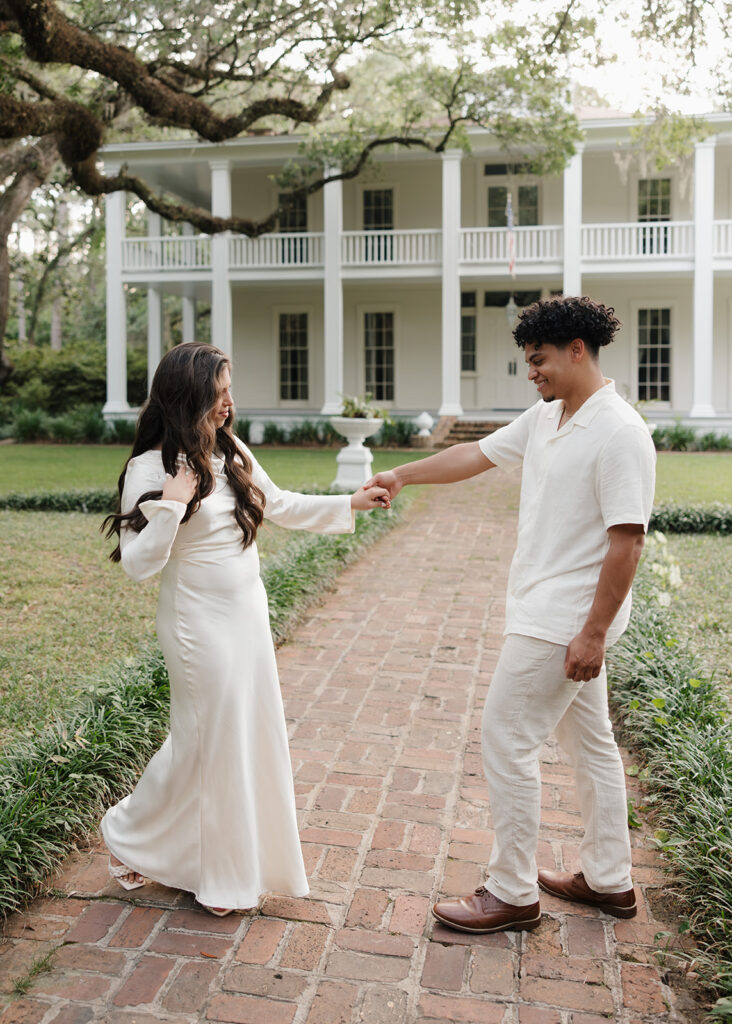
511	237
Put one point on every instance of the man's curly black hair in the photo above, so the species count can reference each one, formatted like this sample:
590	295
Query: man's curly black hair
559	320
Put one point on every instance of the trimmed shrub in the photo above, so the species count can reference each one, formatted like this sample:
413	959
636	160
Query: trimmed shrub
396	433
306	432
712	442
30	425
675	439
274	434
714	518
242	428
120	431
61	501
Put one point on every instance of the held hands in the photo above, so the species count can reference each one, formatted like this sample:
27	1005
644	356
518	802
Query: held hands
180	487
585	656
388	480
368	497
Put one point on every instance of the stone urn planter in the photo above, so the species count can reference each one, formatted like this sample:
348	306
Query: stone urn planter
354	461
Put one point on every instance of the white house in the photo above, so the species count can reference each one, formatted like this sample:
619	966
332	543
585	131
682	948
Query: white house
398	283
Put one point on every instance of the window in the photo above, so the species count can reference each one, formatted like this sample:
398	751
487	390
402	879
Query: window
378	216
654	206
294	355
378	209
497	300
468	322
293	219
493	170
528	206
379	352
654	355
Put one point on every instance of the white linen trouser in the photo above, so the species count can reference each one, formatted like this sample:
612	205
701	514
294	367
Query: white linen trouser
529	698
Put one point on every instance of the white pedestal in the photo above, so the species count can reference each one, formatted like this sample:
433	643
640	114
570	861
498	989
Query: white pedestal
354	461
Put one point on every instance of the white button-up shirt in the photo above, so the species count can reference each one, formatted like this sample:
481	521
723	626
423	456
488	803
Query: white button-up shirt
596	471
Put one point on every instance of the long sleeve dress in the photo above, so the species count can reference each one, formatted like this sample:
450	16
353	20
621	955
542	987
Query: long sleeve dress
214	811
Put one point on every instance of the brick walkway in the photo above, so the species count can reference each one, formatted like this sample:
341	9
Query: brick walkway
383	686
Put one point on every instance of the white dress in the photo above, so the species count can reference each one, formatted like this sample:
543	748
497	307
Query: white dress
214	811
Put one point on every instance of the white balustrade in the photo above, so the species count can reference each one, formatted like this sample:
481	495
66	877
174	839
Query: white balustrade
645	240
172	252
396	248
531	244
282	249
723	238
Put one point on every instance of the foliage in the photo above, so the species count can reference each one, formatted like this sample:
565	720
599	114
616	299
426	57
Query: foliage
97	500
678	719
54	787
59	382
677	438
395	432
361	407
716	518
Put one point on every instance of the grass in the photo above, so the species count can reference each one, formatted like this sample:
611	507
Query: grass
694	478
63	467
68	612
702	610
676	718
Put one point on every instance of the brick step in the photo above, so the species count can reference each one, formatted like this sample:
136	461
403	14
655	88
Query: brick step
463	431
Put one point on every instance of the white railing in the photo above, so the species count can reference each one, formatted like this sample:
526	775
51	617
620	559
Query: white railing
650	240
531	245
396	248
174	252
283	249
723	238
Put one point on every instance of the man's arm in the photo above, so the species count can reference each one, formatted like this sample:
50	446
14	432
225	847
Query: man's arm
459	462
586	653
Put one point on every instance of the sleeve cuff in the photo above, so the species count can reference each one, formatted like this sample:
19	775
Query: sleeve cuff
154	506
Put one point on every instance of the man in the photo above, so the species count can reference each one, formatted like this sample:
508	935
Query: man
586	495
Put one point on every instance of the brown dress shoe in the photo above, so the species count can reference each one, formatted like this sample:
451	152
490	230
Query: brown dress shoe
484	912
567	886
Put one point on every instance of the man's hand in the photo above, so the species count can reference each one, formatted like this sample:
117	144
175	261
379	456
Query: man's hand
585	656
388	480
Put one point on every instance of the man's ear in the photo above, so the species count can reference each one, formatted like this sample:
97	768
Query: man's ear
577	349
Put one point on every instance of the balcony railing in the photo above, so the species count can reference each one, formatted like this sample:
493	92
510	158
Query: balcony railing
723	238
175	252
531	245
291	249
658	240
396	248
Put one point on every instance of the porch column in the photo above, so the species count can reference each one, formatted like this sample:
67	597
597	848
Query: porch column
451	222
332	297
221	328
189	318
154	308
703	334
114	222
572	225
189	302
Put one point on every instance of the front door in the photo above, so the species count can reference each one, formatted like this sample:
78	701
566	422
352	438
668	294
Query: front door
511	388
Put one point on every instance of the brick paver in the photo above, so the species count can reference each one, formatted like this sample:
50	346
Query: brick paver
383	688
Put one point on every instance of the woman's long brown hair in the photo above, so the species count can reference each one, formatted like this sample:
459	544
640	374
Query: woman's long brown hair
177	418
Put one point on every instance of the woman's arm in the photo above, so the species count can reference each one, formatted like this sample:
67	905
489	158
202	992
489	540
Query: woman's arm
146	552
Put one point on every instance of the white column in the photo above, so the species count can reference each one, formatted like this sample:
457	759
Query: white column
189	318
572	225
451	222
221	326
703	335
154	331
154	307
332	297
114	221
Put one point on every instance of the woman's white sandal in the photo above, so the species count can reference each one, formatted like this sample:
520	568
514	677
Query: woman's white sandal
120	871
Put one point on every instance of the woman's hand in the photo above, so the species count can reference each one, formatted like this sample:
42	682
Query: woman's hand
366	498
180	487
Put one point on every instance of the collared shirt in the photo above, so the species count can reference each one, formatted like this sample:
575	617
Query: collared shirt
594	472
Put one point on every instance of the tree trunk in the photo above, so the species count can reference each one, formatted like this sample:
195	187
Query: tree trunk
20	306
33	165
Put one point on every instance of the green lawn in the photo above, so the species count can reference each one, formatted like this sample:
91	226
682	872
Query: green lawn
49	467
682	476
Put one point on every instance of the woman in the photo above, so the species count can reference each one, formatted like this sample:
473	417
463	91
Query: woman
214	811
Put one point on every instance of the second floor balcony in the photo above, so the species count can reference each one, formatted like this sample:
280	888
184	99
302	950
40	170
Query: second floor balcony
613	246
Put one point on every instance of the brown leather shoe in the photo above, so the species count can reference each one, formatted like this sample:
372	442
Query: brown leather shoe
567	886
484	912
